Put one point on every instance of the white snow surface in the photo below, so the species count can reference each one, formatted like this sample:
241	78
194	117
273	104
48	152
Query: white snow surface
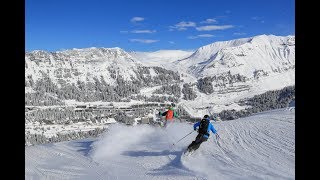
257	147
161	57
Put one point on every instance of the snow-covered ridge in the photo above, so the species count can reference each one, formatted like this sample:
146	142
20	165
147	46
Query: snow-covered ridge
242	56
81	54
161	57
205	52
80	64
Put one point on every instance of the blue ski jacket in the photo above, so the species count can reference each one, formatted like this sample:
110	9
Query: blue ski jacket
210	127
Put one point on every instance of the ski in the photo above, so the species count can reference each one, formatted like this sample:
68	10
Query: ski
188	152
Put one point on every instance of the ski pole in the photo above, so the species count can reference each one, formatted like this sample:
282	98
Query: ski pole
217	136
183	137
180	119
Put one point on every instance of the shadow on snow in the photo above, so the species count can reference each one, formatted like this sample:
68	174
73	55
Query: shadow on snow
85	146
173	167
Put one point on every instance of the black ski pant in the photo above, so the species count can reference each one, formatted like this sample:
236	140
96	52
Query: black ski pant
197	142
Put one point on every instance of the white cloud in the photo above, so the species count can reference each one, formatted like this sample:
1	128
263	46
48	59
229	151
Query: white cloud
136	19
239	33
186	24
209	21
205	35
171	42
256	18
146	41
221	17
192	37
201	36
143	31
181	26
123	31
211	28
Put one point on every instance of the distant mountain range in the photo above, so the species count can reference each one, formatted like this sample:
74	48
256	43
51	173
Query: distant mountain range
215	76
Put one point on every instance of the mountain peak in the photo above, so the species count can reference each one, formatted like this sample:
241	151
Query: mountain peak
86	54
273	39
258	52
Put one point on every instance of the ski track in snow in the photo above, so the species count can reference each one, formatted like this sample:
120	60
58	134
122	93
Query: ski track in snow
257	147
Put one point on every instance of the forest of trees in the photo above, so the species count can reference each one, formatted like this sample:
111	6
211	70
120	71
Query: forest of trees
263	102
188	93
205	85
174	90
48	93
58	115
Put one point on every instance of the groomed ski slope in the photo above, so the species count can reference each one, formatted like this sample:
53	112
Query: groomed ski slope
257	147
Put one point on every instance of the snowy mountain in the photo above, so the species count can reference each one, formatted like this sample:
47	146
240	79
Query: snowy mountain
241	68
257	147
79	64
161	57
213	78
265	53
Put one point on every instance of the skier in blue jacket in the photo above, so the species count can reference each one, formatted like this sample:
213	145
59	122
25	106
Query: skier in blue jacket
204	132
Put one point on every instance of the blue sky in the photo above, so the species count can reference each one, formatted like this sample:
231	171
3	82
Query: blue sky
150	25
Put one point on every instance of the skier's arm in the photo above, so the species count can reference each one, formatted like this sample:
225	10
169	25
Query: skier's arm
214	131
163	114
196	125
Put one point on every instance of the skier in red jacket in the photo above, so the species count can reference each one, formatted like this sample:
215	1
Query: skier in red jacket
170	114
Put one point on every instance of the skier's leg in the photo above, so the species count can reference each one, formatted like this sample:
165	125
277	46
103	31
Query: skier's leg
200	139
197	145
165	123
192	145
169	123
